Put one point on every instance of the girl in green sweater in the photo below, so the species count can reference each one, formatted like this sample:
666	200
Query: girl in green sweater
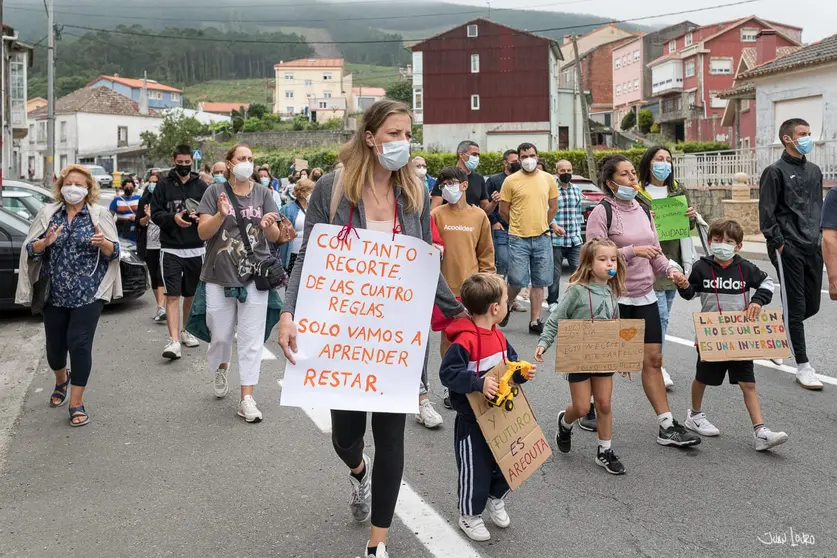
592	294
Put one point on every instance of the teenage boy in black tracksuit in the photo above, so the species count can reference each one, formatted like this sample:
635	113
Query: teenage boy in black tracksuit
173	209
723	281
790	205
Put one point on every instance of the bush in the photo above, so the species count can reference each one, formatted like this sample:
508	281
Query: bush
628	121
490	163
655	128
645	120
701	146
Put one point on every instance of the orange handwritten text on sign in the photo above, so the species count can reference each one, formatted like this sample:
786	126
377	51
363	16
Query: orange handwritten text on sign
362	312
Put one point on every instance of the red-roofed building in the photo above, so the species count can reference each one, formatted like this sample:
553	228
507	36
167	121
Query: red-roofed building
319	88
700	64
365	97
160	96
224	109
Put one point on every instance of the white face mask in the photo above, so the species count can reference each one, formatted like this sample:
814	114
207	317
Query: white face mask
73	194
529	164
394	155
243	171
451	192
421	172
722	250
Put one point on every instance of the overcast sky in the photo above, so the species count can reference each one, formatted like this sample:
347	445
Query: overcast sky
816	18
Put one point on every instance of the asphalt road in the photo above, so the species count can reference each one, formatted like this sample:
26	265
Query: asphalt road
165	469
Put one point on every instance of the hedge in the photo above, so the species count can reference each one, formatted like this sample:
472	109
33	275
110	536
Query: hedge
490	163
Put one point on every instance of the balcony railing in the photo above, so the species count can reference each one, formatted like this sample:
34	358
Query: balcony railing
673	85
676	115
719	168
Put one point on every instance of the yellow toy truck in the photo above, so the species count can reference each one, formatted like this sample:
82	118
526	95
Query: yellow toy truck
506	391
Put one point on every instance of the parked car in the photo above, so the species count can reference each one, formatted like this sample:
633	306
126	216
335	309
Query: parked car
13	230
24	204
591	196
102	176
41	194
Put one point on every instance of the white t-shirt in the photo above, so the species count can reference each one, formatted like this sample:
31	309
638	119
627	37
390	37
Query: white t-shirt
299	227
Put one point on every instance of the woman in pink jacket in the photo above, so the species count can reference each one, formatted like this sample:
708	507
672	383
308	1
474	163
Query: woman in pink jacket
630	225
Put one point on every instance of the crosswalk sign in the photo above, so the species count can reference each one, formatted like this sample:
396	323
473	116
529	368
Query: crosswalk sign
197	155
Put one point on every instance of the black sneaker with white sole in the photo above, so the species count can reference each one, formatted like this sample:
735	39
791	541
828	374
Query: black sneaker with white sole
677	436
505	321
609	461
564	439
446	401
588	421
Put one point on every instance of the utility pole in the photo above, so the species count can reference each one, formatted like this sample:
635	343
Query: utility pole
49	171
585	116
2	98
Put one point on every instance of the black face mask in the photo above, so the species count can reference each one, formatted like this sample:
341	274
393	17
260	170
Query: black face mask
183	170
128	192
514	167
565	177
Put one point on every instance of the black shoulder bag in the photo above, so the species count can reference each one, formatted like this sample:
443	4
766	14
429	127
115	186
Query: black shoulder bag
267	273
43	286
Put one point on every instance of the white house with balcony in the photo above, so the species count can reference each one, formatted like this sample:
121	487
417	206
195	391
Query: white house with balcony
17	57
319	88
95	126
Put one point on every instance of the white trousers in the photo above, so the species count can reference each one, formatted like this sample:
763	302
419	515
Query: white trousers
225	316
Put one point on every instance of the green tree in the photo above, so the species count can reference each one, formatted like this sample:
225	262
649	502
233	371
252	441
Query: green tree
257	110
645	120
628	121
175	130
401	91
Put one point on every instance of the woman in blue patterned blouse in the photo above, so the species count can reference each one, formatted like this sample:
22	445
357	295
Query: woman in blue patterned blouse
74	242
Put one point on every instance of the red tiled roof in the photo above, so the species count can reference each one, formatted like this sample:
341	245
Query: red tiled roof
312	63
137	83
96	100
222	108
817	53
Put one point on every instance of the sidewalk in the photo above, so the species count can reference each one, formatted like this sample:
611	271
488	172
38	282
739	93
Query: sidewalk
754	248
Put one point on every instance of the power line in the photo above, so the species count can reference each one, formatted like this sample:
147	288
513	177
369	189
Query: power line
324	5
391	41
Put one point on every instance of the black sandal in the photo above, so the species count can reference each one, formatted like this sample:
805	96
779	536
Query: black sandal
77	412
60	392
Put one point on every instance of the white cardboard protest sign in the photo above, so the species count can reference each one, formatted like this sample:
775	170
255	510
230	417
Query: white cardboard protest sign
363	317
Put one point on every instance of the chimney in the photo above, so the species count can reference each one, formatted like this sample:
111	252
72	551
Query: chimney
115	75
143	100
765	46
566	39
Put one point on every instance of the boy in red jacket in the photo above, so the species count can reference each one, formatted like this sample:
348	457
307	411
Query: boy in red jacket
477	347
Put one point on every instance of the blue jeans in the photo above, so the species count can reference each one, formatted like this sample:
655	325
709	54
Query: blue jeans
501	251
530	261
664	301
572	254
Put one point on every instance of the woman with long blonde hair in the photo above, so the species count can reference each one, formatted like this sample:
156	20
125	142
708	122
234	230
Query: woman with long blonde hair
376	189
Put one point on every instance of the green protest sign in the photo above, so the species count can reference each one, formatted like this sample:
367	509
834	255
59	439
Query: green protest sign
670	217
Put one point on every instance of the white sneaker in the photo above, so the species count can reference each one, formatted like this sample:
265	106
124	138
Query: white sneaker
698	423
188	339
248	410
361	502
474	527
428	416
777	361
220	383
380	551
667	379
172	350
764	439
806	376
496	509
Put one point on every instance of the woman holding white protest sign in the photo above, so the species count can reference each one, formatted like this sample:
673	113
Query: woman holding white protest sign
377	190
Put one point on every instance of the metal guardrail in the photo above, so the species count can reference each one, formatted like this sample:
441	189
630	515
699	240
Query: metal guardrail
719	168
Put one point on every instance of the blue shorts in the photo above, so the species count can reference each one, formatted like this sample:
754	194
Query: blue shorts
530	261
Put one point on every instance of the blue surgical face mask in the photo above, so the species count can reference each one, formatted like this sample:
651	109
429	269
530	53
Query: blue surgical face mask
472	163
151	186
219	178
804	145
265	181
722	250
625	193
661	170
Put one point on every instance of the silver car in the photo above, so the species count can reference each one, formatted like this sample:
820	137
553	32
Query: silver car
102	176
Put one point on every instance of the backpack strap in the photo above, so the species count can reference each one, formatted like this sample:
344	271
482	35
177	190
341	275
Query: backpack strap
606	203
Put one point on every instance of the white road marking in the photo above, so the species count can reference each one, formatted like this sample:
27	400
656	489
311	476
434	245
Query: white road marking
431	529
766	363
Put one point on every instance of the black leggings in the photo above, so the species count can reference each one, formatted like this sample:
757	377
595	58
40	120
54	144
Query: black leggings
347	430
72	330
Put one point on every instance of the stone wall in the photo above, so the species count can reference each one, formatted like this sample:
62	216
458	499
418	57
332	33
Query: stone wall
289	141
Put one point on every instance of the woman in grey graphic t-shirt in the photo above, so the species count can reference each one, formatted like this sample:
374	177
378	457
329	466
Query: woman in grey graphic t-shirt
233	304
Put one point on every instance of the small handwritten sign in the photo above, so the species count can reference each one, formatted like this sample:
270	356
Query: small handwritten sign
363	316
514	437
731	336
599	346
670	217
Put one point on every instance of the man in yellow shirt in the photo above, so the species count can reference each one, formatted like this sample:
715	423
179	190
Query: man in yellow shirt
529	202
